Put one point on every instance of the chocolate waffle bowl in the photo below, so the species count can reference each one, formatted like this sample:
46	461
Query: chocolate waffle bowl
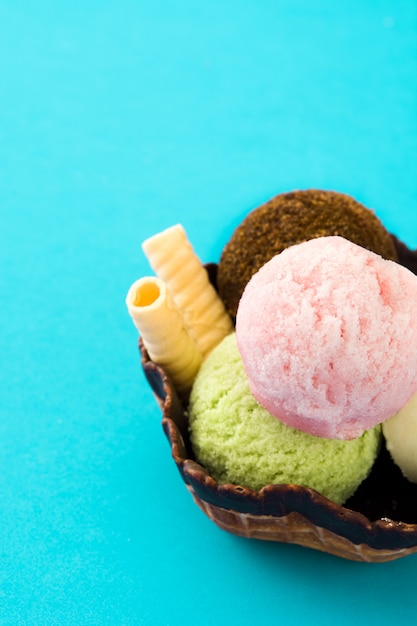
378	524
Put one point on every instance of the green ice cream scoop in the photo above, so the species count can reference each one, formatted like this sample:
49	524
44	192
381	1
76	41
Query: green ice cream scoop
239	442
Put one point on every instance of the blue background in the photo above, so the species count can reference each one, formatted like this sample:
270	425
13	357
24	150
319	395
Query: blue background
118	119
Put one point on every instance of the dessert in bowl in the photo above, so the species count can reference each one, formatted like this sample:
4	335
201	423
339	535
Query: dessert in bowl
368	512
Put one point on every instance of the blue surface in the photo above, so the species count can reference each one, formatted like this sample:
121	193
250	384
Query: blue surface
118	119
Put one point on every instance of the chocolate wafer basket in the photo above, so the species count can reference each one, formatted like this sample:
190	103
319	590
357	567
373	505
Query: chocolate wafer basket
378	524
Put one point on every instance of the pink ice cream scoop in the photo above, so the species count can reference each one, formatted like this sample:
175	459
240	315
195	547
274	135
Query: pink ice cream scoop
328	336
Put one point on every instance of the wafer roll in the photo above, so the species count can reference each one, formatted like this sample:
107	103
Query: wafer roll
173	259
163	331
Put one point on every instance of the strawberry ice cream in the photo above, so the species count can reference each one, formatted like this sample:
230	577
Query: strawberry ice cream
327	331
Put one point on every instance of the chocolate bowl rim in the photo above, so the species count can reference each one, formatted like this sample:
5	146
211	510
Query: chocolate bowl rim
277	500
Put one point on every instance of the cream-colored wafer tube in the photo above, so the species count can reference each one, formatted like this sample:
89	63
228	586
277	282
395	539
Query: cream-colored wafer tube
163	331
173	259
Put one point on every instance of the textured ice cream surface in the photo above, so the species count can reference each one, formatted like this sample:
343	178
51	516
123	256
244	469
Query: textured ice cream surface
328	335
400	433
239	442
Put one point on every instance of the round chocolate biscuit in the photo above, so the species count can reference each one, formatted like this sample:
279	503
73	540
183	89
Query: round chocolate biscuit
291	218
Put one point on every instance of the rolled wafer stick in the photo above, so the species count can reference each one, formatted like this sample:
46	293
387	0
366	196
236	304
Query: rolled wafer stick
173	259
163	331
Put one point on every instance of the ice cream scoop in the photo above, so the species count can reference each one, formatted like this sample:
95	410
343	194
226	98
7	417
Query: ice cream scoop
328	336
239	442
400	433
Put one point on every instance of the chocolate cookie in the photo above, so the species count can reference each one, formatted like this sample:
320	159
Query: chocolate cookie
291	218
